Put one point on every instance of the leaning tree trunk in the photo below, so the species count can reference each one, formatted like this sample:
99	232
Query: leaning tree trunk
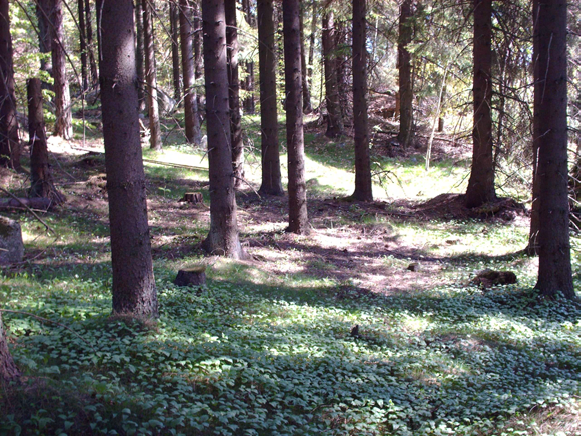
481	183
9	144
234	93
362	161
191	119
134	290
271	176
223	236
175	49
151	76
8	370
63	125
139	54
297	192
406	93
550	135
41	184
334	119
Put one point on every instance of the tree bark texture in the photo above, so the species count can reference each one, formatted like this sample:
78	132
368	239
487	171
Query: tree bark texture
198	54
406	93
550	136
307	108
9	143
481	183
363	190
90	51
133	282
191	118
44	40
223	236
139	54
63	126
41	184
8	369
271	176
297	192
83	44
175	49
334	119
248	104
151	75
234	93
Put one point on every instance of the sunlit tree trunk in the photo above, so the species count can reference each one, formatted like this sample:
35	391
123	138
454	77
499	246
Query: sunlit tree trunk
134	289
139	51
191	118
550	136
297	192
151	75
175	49
271	175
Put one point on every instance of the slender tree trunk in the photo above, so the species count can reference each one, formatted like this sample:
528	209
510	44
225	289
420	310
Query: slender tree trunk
83	44
297	192
175	49
64	120
8	370
271	176
223	236
133	282
343	42
44	39
550	135
312	44
234	93
363	189
139	54
151	76
481	183
248	83
90	51
406	93
198	54
334	119
307	108
41	184
190	99
9	143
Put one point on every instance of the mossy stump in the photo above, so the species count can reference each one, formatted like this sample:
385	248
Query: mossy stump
193	277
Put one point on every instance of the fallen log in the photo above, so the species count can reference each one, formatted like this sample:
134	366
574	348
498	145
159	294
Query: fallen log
37	203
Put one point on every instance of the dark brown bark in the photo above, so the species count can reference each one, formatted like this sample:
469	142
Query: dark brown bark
271	176
248	105
198	53
191	118
90	51
175	49
8	370
44	40
312	43
363	189
343	41
297	192
406	93
139	57
223	236
9	143
307	107
63	125
151	76
234	93
133	282
334	119
550	137
481	183
83	44
41	184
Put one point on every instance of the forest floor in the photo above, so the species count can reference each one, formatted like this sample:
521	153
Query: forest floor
414	244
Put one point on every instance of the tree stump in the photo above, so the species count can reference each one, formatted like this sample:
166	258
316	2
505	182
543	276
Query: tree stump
11	246
488	278
193	197
195	276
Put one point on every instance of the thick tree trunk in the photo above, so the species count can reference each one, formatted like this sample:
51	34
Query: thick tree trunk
297	192
63	125
406	93
139	54
175	49
90	51
133	282
550	136
307	108
481	183
8	370
9	143
223	236
334	119
151	75
234	93
191	118
271	176
41	184
363	189
83	44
